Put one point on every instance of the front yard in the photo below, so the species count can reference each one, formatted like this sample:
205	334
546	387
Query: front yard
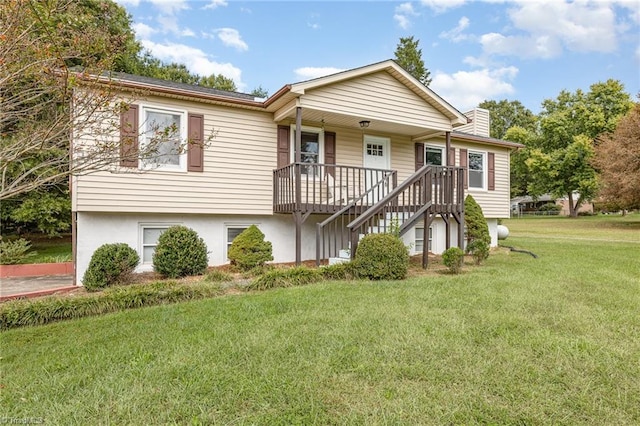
552	340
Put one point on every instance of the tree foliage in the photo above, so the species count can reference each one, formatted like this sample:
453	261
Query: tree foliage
506	114
520	174
409	56
561	164
618	160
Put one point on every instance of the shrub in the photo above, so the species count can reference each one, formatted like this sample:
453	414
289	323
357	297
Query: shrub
550	207
477	228
217	276
381	257
249	249
180	252
290	277
20	313
479	250
110	264
453	258
15	251
339	271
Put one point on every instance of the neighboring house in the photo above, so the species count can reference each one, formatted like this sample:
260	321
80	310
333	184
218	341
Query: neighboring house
314	166
529	205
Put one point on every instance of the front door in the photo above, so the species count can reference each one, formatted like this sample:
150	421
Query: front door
377	155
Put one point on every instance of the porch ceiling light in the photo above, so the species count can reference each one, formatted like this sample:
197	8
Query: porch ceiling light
364	124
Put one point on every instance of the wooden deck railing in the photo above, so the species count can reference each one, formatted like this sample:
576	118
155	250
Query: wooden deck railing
433	190
326	188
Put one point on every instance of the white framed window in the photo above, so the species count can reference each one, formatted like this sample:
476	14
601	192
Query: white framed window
149	234
419	239
312	148
232	230
167	130
434	155
477	169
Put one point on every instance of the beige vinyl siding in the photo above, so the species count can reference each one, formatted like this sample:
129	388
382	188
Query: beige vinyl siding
237	175
350	145
379	97
479	125
495	204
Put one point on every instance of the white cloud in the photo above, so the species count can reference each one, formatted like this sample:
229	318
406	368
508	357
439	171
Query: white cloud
456	34
214	4
169	24
403	14
542	46
195	60
309	73
170	7
440	6
231	37
313	26
143	30
466	89
580	26
545	28
403	21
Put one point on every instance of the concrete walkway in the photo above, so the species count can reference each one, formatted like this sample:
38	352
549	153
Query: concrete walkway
11	288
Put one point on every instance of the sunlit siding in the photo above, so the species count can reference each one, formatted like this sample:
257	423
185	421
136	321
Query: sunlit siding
237	173
495	204
350	145
377	96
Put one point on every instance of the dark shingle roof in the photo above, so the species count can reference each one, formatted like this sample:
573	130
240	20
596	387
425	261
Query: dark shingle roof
179	86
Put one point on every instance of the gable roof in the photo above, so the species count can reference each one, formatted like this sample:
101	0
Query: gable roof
291	91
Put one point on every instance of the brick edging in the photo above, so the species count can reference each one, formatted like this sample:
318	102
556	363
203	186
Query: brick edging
36	269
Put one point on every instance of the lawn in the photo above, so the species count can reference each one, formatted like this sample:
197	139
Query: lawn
519	340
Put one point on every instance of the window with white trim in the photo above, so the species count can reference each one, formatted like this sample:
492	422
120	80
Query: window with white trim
434	155
166	130
419	239
477	167
149	235
231	232
312	148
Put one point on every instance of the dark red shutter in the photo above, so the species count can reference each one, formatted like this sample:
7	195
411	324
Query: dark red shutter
492	171
464	162
129	137
284	142
195	143
419	147
330	151
451	157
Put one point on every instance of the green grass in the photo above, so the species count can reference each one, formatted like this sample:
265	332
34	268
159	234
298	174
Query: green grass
50	250
552	340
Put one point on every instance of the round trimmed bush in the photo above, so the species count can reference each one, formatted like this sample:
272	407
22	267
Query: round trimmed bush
381	257
180	252
453	258
249	250
110	264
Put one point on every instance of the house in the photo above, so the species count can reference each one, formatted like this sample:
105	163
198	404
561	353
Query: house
539	205
314	166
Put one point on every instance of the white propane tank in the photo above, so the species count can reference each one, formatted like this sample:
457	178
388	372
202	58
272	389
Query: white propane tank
503	232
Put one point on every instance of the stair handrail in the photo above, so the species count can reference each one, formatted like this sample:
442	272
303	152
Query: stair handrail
416	176
389	178
422	173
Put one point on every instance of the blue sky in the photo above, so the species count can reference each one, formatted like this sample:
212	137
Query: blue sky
475	50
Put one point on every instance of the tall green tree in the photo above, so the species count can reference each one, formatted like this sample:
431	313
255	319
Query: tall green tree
505	114
409	56
570	126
